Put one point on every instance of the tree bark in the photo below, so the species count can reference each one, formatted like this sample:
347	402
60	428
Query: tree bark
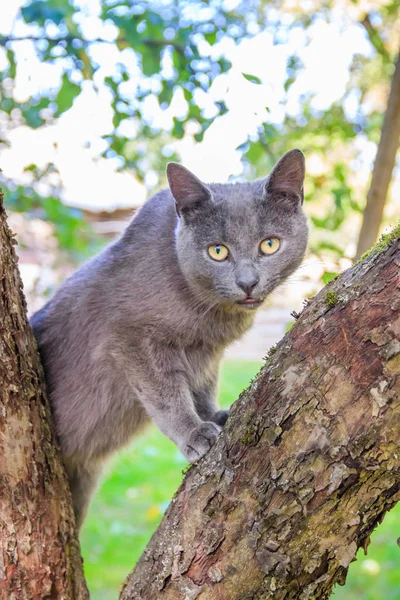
39	551
383	168
308	462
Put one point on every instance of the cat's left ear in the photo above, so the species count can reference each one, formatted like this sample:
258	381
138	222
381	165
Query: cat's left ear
287	177
187	189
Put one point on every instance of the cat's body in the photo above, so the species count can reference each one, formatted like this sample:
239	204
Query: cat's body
138	332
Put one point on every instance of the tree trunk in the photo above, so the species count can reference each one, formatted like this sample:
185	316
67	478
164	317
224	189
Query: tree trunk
383	168
39	551
308	462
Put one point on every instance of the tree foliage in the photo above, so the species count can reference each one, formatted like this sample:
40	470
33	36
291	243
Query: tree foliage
167	55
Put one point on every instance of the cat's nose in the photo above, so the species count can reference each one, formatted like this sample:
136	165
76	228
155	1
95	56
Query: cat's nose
248	281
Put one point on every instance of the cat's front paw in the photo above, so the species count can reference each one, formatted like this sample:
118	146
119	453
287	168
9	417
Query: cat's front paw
200	441
220	417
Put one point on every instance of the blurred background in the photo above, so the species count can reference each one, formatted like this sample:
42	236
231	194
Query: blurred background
96	96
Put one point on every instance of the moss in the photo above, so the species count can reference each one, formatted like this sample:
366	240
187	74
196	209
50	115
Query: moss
331	298
186	470
271	352
250	436
276	372
384	242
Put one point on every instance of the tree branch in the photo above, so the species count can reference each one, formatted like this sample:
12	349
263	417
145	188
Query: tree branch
383	168
375	38
308	462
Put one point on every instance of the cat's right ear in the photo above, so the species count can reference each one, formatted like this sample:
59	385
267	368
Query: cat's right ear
286	179
187	189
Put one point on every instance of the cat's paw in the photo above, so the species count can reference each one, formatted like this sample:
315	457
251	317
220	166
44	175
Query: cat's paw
220	417
200	441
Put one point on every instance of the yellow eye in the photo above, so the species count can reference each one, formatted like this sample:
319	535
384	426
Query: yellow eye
270	245
218	252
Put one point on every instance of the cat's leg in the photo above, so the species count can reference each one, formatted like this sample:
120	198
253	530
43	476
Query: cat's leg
156	373
205	401
82	482
174	413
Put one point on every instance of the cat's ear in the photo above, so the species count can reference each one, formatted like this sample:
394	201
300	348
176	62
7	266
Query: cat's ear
287	177
189	192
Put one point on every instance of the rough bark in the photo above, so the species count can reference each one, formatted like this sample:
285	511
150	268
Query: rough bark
308	462
383	168
39	551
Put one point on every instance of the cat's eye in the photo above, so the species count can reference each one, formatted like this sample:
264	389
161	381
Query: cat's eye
270	245
218	252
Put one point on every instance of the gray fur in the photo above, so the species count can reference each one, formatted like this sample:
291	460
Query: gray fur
137	333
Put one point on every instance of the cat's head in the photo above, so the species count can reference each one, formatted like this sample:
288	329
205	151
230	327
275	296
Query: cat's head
237	242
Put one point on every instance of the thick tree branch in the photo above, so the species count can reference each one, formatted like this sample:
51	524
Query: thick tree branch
308	462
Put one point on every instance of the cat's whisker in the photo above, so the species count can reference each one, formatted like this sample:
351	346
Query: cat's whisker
311	262
297	281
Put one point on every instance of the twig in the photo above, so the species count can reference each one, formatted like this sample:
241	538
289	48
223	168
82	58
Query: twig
375	38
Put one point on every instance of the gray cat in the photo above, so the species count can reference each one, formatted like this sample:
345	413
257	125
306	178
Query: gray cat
138	332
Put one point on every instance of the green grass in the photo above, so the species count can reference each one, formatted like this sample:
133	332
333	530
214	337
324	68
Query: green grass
377	575
139	485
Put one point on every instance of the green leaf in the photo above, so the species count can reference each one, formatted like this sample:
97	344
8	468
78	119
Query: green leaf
13	65
119	117
111	84
252	78
66	94
255	152
167	92
178	130
224	64
289	82
31	167
150	62
328	276
211	37
187	94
